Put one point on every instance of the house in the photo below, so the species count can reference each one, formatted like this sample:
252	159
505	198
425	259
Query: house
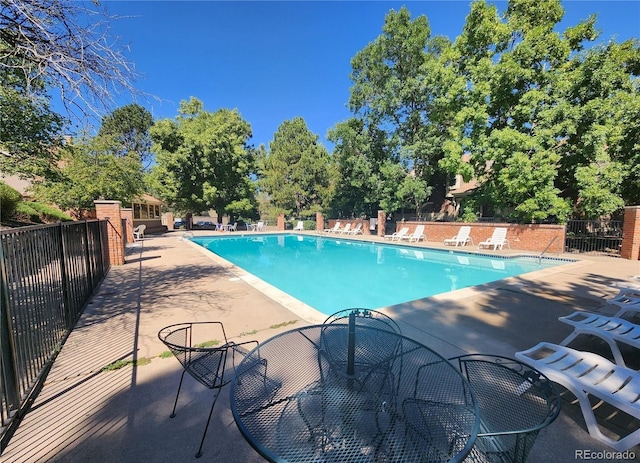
146	210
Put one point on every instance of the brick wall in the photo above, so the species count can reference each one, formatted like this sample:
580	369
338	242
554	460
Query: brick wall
532	237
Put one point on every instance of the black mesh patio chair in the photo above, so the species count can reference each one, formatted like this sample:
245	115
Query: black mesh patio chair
515	402
204	357
373	357
365	317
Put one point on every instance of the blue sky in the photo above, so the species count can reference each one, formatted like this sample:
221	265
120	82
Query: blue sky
274	61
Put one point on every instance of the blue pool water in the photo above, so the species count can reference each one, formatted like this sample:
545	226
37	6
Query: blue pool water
330	274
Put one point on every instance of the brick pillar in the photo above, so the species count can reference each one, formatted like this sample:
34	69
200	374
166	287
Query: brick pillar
280	222
110	210
319	221
127	215
170	220
382	222
631	233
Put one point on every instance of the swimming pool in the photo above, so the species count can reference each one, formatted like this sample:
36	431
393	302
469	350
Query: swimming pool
330	274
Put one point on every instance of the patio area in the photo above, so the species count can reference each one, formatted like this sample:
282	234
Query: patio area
88	413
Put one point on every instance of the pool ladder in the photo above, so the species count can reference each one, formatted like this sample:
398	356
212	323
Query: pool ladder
546	248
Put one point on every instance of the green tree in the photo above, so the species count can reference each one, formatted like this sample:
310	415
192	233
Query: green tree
129	127
52	44
401	88
90	170
203	161
296	171
543	120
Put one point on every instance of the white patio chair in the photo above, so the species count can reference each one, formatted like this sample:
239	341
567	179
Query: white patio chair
497	240
397	236
461	238
611	330
138	232
417	235
586	374
334	229
356	231
345	230
300	226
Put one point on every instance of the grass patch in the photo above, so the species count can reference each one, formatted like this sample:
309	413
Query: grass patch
280	325
166	354
123	363
247	333
212	343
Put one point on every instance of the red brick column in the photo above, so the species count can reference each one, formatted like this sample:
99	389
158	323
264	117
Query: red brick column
382	222
170	220
319	221
127	214
631	233
110	210
280	222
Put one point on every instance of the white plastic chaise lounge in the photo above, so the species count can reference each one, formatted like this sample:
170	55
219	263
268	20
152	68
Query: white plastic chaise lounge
417	235
138	232
609	329
334	229
585	374
497	240
300	226
397	235
357	230
627	301
461	238
344	230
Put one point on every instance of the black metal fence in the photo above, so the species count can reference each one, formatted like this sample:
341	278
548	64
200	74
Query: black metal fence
49	272
602	237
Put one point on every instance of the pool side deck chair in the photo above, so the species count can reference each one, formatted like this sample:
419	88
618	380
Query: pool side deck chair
587	374
138	232
397	236
611	330
345	229
461	238
357	230
417	235
334	229
497	240
300	226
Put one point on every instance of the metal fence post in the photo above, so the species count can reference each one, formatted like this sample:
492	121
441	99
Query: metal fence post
9	386
64	277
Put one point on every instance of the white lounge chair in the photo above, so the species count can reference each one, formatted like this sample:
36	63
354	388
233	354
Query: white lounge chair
397	236
461	238
584	374
138	232
256	226
611	330
417	234
627	301
345	229
335	228
300	226
497	240
357	230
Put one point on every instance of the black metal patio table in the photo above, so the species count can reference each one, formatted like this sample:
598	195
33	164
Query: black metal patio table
347	393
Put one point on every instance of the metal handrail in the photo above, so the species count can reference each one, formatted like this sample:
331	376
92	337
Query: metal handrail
546	248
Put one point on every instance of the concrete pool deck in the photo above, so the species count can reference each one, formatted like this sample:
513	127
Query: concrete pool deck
86	414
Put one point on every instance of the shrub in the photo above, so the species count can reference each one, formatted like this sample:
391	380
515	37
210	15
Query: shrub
39	213
50	214
9	199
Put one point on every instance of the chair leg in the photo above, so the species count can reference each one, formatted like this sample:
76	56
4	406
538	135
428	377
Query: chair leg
215	399
175	403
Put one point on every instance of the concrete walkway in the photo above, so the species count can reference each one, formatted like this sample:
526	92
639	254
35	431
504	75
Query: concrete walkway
122	415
